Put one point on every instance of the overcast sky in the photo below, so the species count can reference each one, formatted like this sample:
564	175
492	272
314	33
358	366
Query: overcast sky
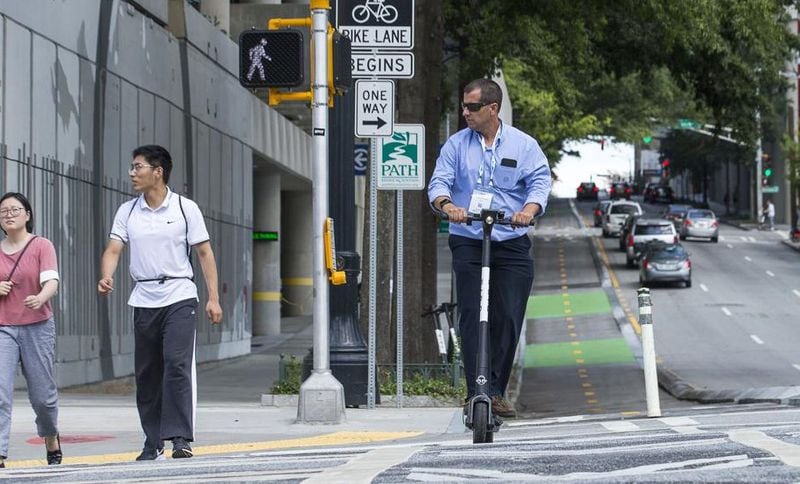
594	165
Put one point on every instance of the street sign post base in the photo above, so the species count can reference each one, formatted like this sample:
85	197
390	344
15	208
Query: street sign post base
321	399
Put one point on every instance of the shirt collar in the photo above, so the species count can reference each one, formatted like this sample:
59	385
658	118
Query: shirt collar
143	205
497	137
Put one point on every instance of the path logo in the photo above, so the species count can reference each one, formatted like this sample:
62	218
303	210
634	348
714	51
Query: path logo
401	164
400	158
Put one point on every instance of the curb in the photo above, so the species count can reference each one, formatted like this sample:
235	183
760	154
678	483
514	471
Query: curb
409	401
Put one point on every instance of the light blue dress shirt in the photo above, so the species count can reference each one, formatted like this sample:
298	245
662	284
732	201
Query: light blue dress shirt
466	164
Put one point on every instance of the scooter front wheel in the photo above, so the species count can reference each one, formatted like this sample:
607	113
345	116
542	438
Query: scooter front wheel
480	423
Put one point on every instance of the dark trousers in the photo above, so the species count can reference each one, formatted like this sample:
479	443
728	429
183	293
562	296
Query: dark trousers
165	371
510	283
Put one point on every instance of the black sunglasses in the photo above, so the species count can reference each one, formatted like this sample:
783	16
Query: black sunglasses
473	107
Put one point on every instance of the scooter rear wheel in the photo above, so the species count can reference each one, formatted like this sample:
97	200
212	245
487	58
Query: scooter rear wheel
480	423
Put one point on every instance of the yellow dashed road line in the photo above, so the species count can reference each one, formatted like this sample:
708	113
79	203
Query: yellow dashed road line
335	438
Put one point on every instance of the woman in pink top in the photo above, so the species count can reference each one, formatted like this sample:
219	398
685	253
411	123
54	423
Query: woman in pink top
28	279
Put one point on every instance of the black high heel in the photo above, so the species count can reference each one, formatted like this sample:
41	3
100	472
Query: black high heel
54	456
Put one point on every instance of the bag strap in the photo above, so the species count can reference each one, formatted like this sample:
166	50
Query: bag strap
22	252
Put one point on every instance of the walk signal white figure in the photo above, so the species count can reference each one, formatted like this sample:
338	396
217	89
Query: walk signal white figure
256	54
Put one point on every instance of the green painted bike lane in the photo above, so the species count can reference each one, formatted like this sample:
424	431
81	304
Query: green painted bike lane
577	346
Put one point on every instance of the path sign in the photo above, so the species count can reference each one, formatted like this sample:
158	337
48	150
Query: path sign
770	189
385	24
374	108
401	158
385	65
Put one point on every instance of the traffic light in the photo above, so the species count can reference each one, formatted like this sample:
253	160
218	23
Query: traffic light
766	167
342	69
647	139
270	58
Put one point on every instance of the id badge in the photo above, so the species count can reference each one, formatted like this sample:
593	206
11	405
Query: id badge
481	200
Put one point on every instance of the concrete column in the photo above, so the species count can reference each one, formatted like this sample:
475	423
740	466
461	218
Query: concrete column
219	12
296	260
267	255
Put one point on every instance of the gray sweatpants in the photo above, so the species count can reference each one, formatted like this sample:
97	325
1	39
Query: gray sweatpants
33	345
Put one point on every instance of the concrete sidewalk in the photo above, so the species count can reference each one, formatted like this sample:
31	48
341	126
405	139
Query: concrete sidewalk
99	423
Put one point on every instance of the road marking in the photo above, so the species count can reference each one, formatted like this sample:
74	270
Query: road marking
788	453
770	274
730	246
335	438
743	238
796	366
703	287
748	259
752	239
726	311
620	426
365	467
682	425
796	292
756	339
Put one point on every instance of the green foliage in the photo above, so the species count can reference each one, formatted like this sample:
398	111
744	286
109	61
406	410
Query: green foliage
290	380
620	67
420	384
791	153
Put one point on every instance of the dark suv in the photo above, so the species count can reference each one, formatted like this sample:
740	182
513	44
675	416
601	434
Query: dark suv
659	194
587	191
620	190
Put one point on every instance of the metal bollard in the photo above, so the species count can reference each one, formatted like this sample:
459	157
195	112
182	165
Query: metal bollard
648	352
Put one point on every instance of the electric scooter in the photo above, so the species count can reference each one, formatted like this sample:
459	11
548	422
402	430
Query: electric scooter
479	416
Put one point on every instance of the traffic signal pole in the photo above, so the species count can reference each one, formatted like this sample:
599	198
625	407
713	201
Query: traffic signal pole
321	394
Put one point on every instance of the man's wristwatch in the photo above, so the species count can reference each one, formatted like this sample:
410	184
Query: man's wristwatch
444	202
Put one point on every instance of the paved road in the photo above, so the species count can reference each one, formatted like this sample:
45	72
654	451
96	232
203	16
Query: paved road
755	443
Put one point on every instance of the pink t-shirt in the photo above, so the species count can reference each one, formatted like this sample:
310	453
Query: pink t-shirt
38	265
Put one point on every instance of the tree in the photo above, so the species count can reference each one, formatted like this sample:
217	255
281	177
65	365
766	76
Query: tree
618	66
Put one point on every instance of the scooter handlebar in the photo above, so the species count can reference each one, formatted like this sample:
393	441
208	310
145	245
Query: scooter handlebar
476	217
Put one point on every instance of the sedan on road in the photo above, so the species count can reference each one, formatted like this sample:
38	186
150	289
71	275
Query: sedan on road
700	223
665	263
598	211
587	191
676	213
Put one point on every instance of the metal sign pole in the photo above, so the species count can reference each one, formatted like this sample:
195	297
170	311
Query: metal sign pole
321	395
399	292
373	271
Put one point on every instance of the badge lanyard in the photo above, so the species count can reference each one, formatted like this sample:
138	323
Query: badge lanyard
492	165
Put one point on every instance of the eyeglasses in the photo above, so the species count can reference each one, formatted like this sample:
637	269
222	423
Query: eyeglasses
13	211
473	107
137	167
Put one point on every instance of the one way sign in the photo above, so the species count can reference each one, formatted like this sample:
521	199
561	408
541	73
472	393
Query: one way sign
374	108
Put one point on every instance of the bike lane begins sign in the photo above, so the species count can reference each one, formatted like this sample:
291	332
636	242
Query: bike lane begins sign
375	24
401	158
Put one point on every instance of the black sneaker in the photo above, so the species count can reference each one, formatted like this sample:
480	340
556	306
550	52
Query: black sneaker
151	454
181	449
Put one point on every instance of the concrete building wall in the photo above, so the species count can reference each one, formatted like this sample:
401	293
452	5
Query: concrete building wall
76	99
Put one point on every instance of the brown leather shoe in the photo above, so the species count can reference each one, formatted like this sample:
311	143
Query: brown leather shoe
502	407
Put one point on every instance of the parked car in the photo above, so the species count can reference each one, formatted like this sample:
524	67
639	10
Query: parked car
619	190
598	212
665	263
675	213
615	215
587	191
644	231
658	194
626	230
700	223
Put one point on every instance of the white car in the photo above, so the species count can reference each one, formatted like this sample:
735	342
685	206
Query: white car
616	213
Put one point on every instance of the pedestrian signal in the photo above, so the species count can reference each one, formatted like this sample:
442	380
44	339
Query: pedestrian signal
270	58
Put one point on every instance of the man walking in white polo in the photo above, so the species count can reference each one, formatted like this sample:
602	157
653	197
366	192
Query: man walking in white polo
161	228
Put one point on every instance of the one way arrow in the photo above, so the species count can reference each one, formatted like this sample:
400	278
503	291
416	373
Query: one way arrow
379	123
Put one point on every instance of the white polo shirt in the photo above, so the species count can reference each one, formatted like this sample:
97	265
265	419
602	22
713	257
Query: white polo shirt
157	239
